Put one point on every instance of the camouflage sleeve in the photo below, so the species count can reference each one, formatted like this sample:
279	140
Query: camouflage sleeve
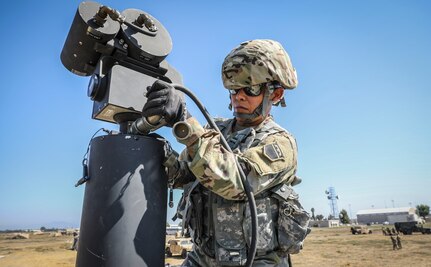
271	162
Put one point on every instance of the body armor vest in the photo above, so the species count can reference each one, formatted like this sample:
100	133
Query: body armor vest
221	228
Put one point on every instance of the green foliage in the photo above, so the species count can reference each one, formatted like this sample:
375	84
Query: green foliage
312	214
44	229
14	231
422	210
344	217
319	217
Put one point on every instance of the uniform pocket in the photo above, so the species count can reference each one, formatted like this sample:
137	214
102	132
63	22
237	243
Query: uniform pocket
230	243
266	234
292	225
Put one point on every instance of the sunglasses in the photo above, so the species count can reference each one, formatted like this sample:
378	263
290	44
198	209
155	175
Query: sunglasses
253	90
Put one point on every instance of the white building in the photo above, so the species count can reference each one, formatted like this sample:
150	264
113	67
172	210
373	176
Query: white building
324	223
391	215
173	229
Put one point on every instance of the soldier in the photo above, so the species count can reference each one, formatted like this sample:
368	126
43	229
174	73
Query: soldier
399	242
394	243
75	241
214	205
388	231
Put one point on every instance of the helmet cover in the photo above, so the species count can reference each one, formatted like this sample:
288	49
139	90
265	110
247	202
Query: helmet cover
258	61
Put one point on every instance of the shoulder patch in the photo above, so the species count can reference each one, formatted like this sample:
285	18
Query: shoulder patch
273	152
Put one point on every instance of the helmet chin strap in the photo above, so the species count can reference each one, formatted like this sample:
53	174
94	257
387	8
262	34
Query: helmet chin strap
262	109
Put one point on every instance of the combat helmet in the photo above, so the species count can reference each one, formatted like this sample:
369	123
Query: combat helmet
257	62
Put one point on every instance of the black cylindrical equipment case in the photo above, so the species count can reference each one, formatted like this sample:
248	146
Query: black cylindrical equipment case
124	212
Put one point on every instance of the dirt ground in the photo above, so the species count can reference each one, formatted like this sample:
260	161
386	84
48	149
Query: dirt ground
338	247
323	247
39	250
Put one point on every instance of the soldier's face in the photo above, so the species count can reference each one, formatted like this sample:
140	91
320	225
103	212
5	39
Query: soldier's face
247	104
242	103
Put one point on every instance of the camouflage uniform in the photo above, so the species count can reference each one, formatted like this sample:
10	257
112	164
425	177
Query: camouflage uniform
216	210
394	243
399	242
214	205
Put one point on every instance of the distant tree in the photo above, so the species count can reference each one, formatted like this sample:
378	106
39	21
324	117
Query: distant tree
312	214
319	217
331	217
43	228
422	210
344	218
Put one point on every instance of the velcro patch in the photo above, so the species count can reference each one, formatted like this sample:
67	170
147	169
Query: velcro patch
273	152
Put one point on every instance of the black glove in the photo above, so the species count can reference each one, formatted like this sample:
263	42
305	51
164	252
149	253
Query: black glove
165	101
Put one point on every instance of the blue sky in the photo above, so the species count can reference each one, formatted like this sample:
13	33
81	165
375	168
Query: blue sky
360	113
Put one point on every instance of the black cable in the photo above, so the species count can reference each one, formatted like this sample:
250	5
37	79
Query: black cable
245	183
89	142
85	176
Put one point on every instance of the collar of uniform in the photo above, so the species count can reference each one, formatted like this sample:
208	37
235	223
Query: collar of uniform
234	127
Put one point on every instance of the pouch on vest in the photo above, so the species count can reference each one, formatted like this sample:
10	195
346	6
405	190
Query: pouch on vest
189	208
267	209
230	245
293	220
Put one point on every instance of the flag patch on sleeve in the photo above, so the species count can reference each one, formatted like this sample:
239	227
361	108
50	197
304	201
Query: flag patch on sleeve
273	152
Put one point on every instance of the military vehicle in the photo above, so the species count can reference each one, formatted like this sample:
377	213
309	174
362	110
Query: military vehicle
408	228
360	229
179	246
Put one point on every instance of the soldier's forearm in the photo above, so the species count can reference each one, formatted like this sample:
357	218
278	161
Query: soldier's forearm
179	174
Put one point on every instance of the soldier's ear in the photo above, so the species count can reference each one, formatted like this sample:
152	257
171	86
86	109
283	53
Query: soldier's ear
277	95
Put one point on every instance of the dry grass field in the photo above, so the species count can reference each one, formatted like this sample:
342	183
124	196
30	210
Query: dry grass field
323	247
338	247
39	250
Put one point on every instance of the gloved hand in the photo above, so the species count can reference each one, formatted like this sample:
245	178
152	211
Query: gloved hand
165	101
177	171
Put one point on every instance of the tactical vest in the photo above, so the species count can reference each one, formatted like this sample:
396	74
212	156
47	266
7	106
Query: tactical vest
221	228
